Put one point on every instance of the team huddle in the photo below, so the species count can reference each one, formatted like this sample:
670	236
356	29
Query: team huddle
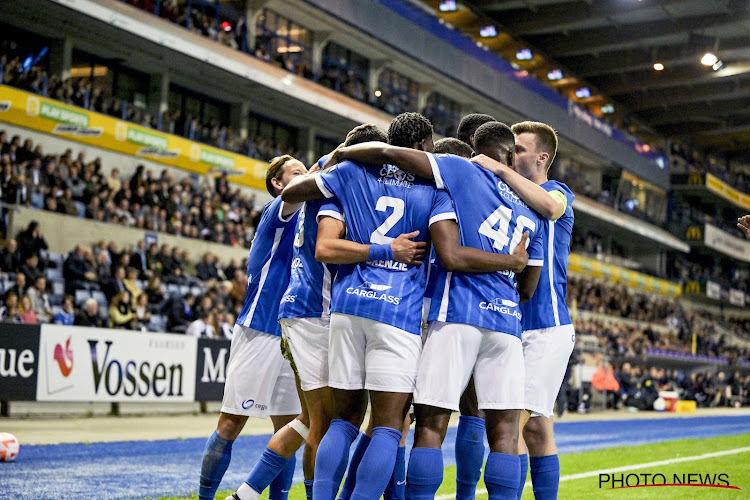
398	271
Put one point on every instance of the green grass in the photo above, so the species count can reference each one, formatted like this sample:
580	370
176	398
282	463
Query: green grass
736	466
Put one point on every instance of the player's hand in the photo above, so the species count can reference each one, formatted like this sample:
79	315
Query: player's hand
407	251
520	254
744	224
358	128
333	159
488	163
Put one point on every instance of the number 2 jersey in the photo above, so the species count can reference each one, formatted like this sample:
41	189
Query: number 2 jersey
491	217
380	203
547	307
268	268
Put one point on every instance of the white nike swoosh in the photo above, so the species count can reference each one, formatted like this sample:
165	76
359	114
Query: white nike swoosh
399	483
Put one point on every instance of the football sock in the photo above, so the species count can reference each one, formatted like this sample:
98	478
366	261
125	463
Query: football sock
424	474
263	474
351	474
397	485
279	488
469	455
501	476
545	476
216	457
524	459
330	461
377	464
308	488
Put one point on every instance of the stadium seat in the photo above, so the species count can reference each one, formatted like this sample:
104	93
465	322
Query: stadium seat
53	274
58	287
55	299
99	296
81	297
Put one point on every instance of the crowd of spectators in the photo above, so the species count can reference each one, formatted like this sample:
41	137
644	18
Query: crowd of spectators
141	287
685	160
194	207
84	93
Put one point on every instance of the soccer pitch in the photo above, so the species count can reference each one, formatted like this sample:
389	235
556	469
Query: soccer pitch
580	478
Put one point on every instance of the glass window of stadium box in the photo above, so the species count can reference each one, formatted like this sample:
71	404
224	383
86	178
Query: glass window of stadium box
268	138
443	112
284	43
345	71
641	199
197	116
24	60
107	86
396	93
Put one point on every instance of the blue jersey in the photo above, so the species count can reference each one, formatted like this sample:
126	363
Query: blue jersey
268	269
547	306
380	204
309	292
491	217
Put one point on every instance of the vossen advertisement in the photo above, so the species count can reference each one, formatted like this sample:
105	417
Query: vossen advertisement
94	364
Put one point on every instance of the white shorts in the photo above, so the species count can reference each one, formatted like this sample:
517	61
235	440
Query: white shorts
367	354
307	339
454	352
260	382
545	353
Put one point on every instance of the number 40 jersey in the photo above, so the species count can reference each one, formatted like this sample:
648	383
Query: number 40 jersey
491	217
379	204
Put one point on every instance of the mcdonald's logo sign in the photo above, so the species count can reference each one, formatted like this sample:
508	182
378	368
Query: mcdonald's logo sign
694	233
692	287
695	179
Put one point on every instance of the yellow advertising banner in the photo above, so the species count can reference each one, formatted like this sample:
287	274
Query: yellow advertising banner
77	124
716	185
639	281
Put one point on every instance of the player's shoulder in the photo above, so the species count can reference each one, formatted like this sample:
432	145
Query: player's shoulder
553	185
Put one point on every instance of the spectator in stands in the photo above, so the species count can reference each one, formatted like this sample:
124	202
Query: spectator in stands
202	327
121	313
9	311
30	268
180	313
89	315
25	312
208	271
138	259
31	241
76	272
142	312
9	258
744	225
131	275
155	293
19	286
226	326
40	300
113	181
116	283
66	316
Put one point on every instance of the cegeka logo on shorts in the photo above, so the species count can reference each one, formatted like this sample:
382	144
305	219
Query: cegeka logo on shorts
250	403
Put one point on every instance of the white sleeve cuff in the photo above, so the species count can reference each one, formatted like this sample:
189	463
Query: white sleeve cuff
281	213
443	216
322	187
535	263
436	172
330	213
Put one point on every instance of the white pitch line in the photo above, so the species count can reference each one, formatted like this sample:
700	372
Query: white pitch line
625	468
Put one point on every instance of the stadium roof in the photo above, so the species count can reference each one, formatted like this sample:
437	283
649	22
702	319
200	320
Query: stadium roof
611	46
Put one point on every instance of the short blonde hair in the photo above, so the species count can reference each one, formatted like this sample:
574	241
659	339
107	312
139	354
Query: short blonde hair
546	137
276	171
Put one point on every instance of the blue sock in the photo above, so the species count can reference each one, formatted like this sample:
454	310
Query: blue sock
501	476
524	472
545	476
351	475
469	455
397	485
308	488
266	470
330	461
279	488
216	457
376	467
424	474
